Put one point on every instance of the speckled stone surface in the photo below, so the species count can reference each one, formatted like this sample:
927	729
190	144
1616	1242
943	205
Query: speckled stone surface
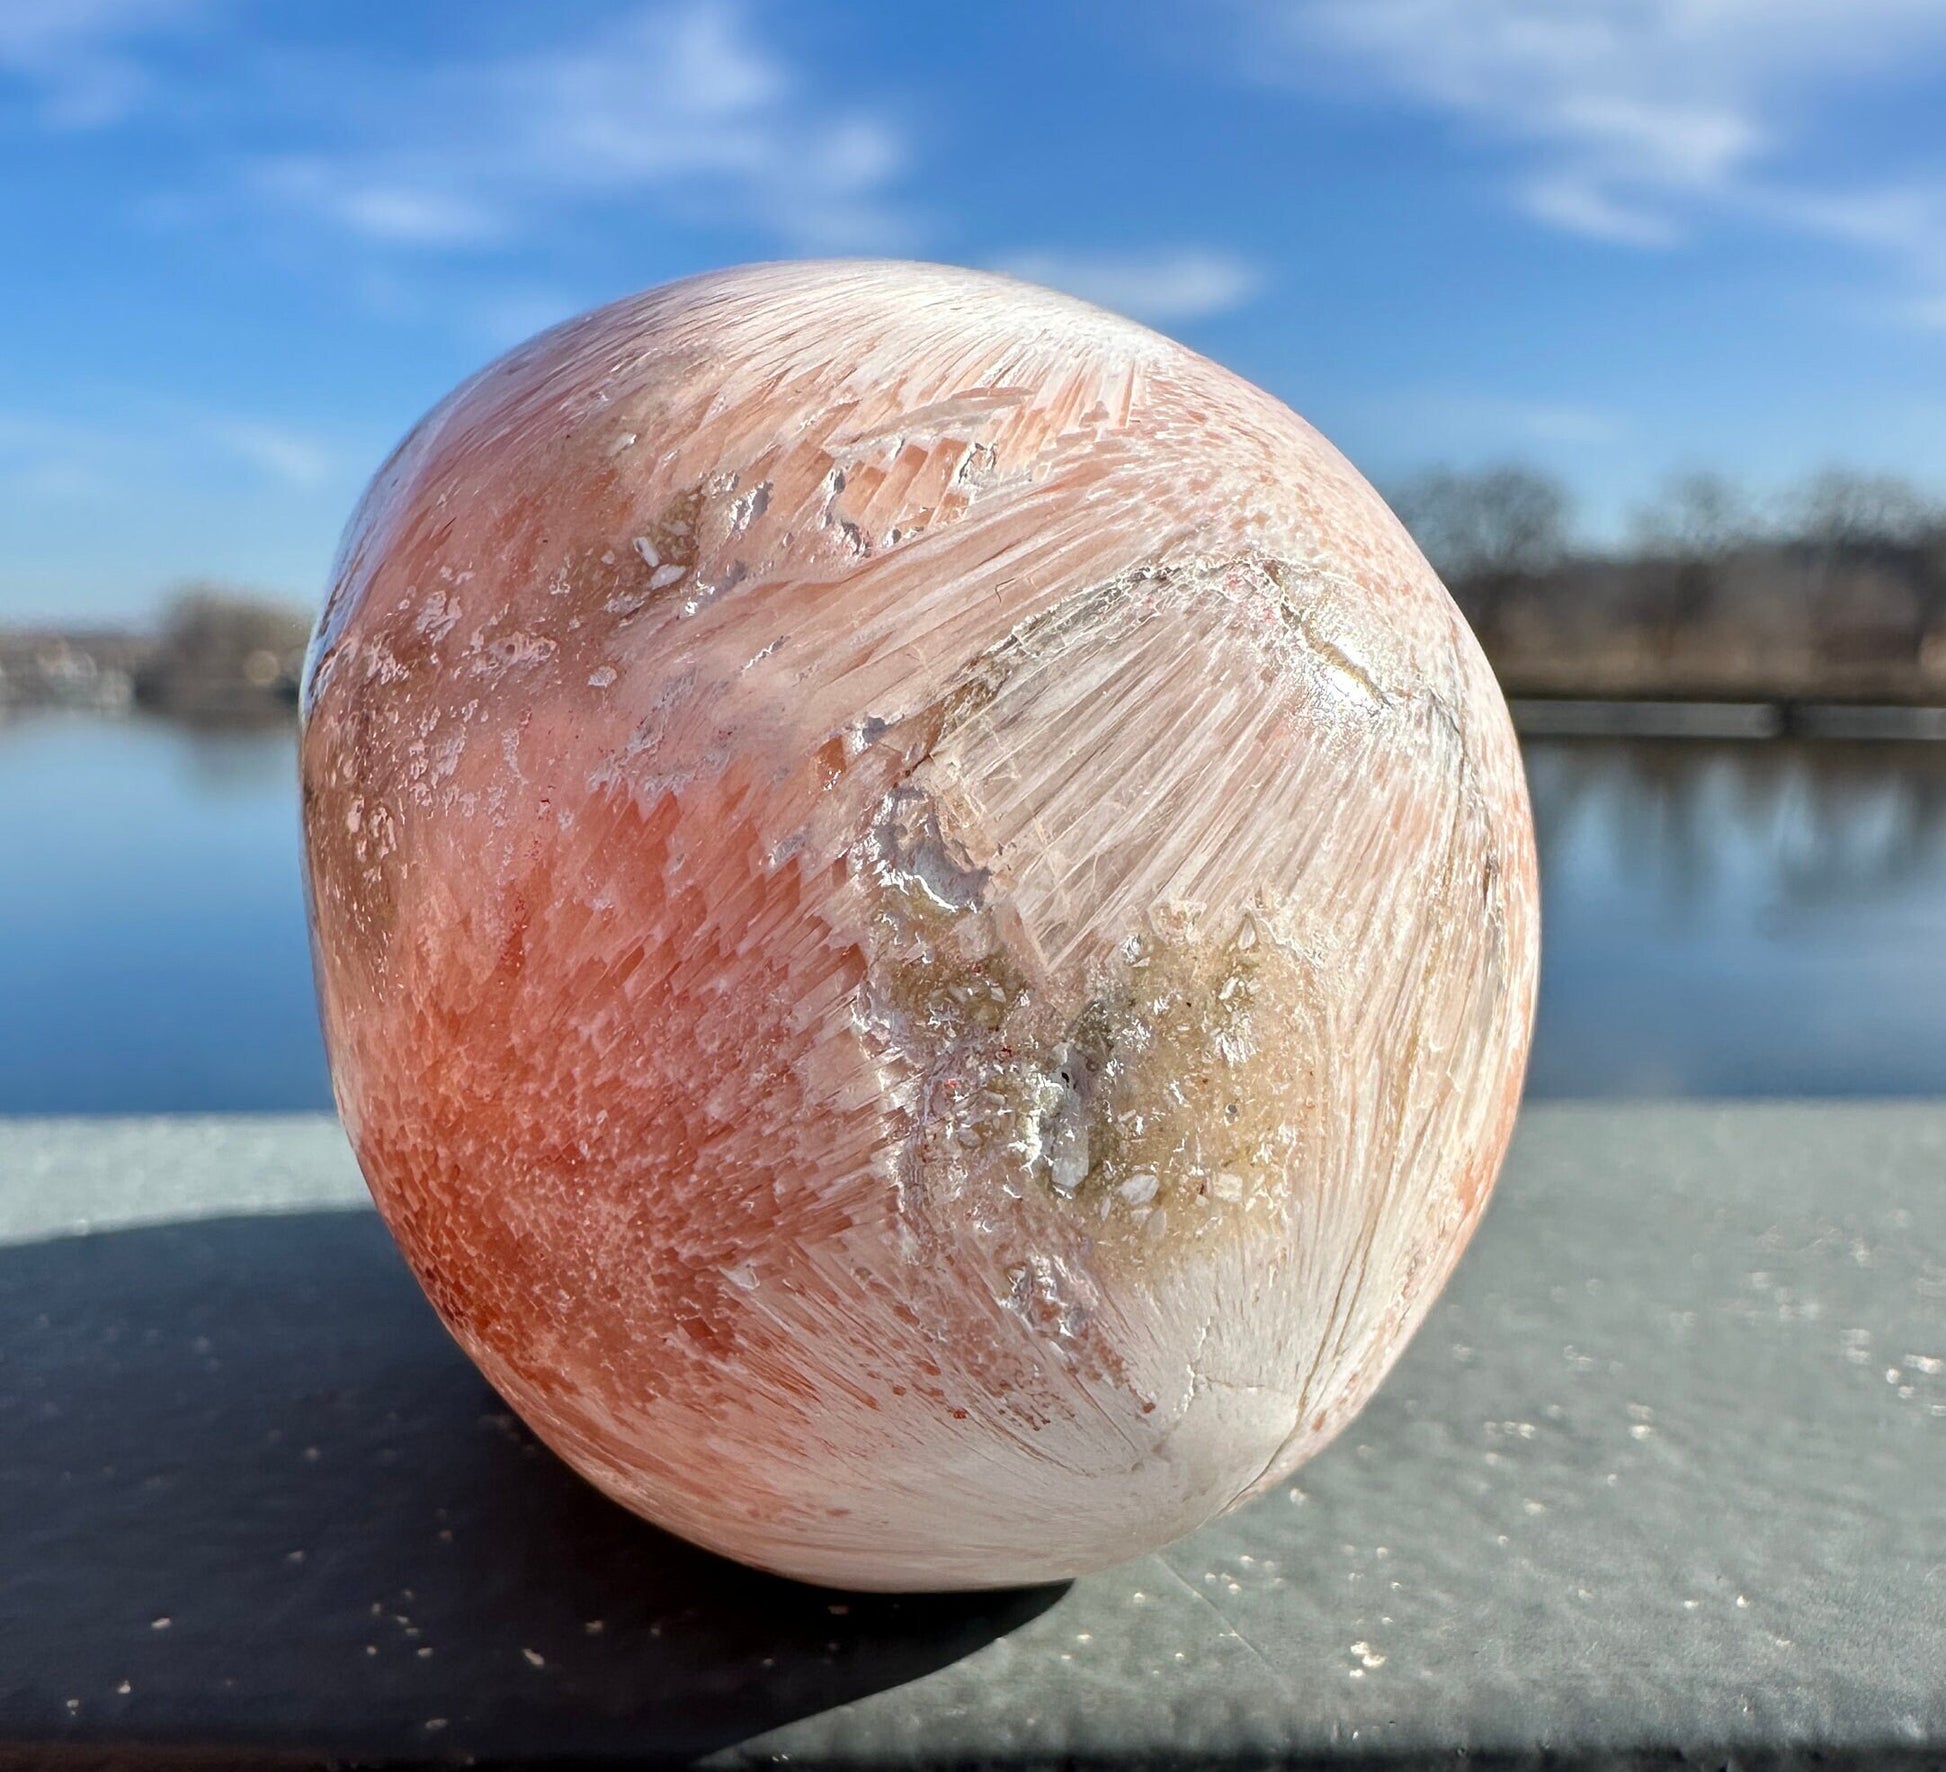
918	892
1663	1473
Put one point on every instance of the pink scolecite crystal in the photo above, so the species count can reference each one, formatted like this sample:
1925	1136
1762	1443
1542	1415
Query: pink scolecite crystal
926	916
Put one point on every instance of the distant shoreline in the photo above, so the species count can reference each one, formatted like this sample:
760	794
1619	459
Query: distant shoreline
217	659
231	662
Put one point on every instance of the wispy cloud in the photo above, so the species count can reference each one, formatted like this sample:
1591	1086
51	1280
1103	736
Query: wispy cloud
680	107
79	56
1472	424
1580	207
45	460
375	205
1549	423
1640	121
1185	283
68	457
1929	311
1906	222
279	453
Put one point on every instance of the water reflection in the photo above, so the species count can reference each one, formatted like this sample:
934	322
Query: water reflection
239	761
1834	823
1741	918
1721	919
153	955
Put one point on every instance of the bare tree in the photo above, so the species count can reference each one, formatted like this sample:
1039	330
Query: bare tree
1841	509
1842	591
1492	526
1698	515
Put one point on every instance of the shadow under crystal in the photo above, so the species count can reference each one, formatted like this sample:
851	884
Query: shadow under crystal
254	1502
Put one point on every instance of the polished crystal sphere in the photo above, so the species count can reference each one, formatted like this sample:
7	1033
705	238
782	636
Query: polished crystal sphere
925	913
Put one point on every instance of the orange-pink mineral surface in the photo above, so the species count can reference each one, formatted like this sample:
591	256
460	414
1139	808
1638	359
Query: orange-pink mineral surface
925	911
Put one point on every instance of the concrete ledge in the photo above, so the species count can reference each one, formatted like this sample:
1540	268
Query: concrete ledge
1665	1474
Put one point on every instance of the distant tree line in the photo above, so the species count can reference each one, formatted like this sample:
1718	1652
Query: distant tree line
1838	590
218	656
224	654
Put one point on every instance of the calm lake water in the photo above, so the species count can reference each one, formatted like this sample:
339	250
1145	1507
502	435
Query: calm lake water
1720	919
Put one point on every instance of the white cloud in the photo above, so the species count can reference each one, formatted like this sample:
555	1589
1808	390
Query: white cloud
1639	121
162	444
1580	206
1189	283
78	54
390	213
1564	424
1929	311
284	455
678	106
1470	424
1905	221
45	459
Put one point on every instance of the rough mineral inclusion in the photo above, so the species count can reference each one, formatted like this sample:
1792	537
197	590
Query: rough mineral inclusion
926	916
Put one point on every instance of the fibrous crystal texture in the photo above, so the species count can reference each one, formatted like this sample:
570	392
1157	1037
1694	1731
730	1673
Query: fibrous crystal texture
925	912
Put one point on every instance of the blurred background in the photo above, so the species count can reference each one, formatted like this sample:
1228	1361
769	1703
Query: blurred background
1635	308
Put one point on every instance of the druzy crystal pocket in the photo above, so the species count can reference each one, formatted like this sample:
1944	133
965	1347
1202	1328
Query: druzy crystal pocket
925	913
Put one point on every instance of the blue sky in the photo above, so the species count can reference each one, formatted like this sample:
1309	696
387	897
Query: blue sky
248	243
